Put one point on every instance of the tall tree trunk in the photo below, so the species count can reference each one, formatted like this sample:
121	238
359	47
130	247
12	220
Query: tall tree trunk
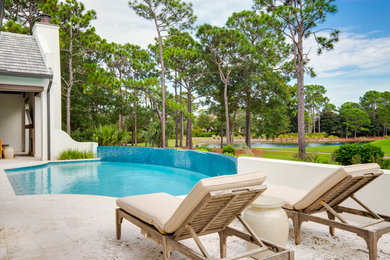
233	126
132	137
299	66
319	122
189	121
120	118
181	119
162	85
146	116
355	130
248	127
176	116
225	97
135	118
70	83
346	134
221	133
30	17
68	92
314	121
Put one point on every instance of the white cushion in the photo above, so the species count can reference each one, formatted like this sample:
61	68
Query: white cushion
154	209
205	186
167	212
301	199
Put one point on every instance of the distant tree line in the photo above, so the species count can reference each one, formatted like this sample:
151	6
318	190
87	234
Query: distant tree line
369	117
229	80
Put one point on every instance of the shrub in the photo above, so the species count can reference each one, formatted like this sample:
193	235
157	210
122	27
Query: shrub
386	164
197	131
247	151
358	153
310	157
206	149
230	154
208	134
229	149
152	133
109	135
316	135
72	154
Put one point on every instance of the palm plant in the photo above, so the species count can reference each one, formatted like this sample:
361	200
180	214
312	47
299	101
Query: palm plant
109	135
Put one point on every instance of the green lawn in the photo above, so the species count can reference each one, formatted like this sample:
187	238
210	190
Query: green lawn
321	158
279	155
272	152
384	144
320	149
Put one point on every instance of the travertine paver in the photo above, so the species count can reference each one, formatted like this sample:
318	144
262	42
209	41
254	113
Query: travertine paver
65	226
82	227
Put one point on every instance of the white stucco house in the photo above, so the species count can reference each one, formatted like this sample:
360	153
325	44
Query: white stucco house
30	93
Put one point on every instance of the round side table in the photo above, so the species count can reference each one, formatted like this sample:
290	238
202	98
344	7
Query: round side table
268	220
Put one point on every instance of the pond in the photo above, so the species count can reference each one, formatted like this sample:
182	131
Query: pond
267	145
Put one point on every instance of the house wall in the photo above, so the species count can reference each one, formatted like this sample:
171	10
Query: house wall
303	175
38	127
12	121
64	142
47	36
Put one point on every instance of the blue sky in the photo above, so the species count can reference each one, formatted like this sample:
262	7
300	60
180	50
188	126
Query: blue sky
362	16
359	62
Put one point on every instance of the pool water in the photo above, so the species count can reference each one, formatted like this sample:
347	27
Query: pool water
116	179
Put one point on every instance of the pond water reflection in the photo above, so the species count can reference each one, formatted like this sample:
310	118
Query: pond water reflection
267	145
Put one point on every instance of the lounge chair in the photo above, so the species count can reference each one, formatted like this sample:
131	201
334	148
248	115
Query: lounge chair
209	208
327	196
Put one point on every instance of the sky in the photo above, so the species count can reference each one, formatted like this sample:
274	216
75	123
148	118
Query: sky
359	62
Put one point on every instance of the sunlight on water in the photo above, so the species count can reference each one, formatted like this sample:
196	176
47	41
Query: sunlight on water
116	179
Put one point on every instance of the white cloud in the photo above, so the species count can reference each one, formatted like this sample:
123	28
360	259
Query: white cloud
218	11
358	63
117	22
353	55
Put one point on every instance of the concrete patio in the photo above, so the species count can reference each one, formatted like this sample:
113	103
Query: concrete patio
66	226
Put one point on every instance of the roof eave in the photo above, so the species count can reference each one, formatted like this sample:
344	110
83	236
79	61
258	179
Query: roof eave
26	74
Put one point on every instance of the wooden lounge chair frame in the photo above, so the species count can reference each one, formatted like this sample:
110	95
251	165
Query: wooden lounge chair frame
330	203
213	214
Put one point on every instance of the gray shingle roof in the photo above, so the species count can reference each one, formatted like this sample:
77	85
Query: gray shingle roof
20	56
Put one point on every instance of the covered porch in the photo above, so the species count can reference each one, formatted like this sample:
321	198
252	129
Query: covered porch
21	119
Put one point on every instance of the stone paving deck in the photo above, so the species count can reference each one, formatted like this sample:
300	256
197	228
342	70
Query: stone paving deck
66	226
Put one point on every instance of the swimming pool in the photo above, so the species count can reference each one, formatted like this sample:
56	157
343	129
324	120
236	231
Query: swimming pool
116	179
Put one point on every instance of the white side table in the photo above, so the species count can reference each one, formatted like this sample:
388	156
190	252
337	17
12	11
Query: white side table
268	220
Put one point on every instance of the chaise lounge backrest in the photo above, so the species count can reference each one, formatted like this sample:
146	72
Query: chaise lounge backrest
338	186
210	197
